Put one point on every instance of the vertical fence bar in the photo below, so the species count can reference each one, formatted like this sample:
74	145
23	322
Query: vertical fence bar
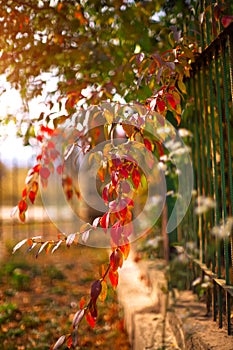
222	156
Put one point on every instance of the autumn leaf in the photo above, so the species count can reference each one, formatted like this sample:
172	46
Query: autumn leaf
96	222
101	173
104	291
24	193
19	245
44	173
78	317
148	144
22	205
90	319
161	105
116	259
41	248
116	231
171	100
104	221
125	248
226	20
182	87
32	196
105	194
113	276
58	343
70	239
125	186
136	177
96	290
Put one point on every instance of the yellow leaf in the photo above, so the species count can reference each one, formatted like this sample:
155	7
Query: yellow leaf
182	87
108	116
104	291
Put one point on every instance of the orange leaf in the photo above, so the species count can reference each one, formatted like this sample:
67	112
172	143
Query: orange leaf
101	173
22	216
34	186
22	205
59	6
82	303
90	320
125	250
113	276
69	341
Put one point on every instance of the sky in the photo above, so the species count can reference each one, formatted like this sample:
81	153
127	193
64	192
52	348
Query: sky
12	150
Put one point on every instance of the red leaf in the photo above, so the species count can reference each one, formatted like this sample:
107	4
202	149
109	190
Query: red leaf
116	259
46	129
113	276
104	221
128	229
82	303
161	105
22	205
50	144
90	320
69	194
148	144
226	20
116	231
171	100
160	149
32	196
125	250
105	194
125	186
116	162
69	341
114	178
136	177
44	173
60	169
24	193
124	173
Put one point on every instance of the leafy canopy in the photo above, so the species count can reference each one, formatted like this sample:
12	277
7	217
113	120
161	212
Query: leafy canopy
81	43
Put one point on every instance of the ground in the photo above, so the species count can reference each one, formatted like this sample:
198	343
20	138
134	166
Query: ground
38	298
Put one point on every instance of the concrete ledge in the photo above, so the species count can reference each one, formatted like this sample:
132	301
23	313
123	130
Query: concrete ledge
142	293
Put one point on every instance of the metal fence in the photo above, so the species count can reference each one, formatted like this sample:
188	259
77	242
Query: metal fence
210	118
